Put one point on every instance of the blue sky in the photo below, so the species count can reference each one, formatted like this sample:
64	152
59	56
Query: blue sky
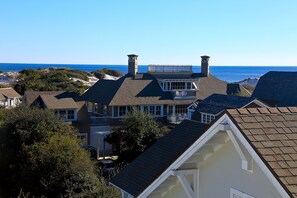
232	32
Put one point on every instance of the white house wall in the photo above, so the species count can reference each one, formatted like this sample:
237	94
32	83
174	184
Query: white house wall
222	171
175	192
97	137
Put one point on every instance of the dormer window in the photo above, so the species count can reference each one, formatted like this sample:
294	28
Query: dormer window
207	118
174	85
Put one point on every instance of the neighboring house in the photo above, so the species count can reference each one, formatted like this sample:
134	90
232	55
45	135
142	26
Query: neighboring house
245	153
9	97
277	89
208	109
164	91
66	105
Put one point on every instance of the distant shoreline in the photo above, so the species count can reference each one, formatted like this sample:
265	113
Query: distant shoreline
227	73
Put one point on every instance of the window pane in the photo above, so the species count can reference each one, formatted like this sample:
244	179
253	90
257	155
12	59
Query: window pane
189	85
62	114
122	111
181	109
152	110
70	115
170	110
115	111
158	110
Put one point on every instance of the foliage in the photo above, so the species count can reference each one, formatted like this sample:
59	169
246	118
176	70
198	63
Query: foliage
51	80
59	164
1	71
139	131
101	73
34	125
41	156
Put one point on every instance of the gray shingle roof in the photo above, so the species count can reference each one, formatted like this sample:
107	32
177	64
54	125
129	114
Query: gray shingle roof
8	93
31	96
138	175
280	88
144	89
272	132
216	103
51	102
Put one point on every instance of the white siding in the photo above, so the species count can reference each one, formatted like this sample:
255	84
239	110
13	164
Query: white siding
97	135
222	171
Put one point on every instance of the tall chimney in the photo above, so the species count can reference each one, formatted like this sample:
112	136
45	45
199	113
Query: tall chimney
132	64
205	65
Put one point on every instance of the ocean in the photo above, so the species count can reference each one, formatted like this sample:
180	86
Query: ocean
227	73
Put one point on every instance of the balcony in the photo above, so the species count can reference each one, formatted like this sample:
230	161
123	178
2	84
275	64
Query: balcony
100	120
184	94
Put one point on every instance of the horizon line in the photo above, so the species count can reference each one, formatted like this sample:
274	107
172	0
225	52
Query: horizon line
94	64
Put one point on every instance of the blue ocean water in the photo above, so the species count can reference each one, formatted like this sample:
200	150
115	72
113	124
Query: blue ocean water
227	73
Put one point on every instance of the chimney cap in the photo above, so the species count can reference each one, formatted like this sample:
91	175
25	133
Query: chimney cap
131	55
205	56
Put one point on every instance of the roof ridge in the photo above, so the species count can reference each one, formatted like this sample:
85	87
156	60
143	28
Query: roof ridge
262	110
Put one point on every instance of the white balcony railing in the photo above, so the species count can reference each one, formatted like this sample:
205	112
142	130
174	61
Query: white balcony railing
177	118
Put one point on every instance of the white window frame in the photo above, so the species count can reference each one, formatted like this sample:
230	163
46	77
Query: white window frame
58	113
70	114
239	193
208	118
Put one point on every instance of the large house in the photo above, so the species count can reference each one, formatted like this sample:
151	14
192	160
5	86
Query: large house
277	88
66	105
211	107
164	91
9	97
245	153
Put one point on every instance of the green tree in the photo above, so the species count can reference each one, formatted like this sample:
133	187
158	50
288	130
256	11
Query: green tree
51	80
40	156
101	73
139	131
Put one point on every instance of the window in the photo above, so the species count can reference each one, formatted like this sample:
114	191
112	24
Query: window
145	109
129	109
115	111
189	85
177	85
158	110
170	110
70	115
122	111
152	110
181	109
237	194
207	118
62	114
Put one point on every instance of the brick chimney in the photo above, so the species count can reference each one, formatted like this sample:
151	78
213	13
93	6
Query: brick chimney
132	64
205	65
